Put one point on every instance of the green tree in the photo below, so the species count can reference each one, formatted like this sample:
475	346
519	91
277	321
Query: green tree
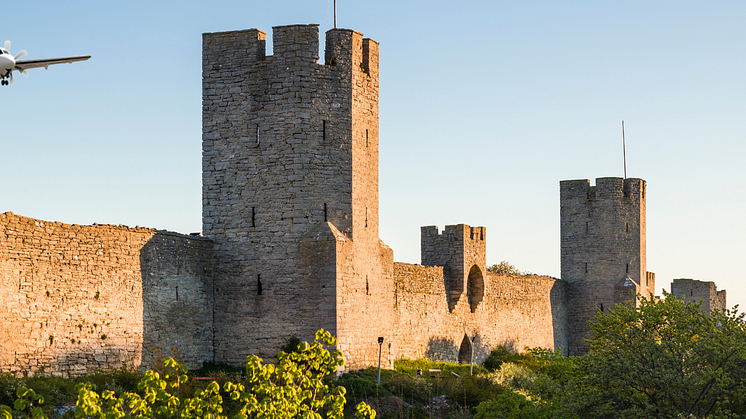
662	359
504	268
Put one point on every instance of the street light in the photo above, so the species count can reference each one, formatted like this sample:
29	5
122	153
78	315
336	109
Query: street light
380	346
471	368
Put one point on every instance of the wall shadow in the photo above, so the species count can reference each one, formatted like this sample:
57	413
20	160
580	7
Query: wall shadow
558	301
177	299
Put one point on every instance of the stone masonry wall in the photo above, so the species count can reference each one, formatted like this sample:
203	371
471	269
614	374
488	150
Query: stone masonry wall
694	291
462	251
290	159
602	238
517	311
82	298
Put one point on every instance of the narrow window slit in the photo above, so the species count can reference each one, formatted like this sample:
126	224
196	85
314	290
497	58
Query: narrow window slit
258	284
257	134
323	129
253	216
366	138
586	267
177	293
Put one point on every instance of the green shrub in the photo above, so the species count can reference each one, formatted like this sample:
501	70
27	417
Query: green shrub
470	391
514	376
510	405
498	356
294	387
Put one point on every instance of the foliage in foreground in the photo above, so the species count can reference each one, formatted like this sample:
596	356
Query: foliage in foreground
663	359
294	388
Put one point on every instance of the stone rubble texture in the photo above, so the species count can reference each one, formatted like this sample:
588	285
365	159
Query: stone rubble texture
693	291
291	242
82	298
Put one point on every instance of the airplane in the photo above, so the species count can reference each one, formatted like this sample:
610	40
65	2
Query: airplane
8	63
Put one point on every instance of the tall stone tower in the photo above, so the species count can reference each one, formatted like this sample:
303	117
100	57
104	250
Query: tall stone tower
290	191
603	249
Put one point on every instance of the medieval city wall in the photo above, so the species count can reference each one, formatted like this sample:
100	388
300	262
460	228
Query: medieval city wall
517	311
82	298
706	292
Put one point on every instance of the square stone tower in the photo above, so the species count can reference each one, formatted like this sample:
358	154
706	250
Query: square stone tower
705	292
290	191
462	251
602	235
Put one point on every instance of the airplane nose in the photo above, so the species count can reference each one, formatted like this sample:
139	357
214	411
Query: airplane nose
6	63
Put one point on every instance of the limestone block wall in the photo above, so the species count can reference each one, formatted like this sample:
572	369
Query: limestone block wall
290	149
82	298
461	250
517	311
602	236
694	291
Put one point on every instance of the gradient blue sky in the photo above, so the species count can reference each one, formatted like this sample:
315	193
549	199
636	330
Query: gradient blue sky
485	107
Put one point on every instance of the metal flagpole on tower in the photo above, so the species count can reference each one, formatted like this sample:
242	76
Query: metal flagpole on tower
624	151
335	14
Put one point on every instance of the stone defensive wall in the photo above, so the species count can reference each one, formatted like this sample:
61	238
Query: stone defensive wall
83	298
517	311
706	292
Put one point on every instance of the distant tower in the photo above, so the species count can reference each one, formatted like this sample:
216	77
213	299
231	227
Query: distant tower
603	249
290	190
693	291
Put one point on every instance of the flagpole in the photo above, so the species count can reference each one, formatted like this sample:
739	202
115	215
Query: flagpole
335	14
624	150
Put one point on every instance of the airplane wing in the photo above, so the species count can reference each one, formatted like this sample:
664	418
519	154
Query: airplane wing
27	64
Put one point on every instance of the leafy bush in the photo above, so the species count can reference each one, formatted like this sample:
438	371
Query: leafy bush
295	387
498	356
469	391
514	376
504	268
510	405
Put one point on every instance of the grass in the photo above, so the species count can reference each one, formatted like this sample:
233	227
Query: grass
405	394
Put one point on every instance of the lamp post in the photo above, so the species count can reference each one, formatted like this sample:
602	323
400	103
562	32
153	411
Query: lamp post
380	346
471	368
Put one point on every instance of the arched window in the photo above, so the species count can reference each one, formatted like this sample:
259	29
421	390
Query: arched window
465	351
475	288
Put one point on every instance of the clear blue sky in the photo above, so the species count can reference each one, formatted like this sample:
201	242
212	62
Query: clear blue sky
485	107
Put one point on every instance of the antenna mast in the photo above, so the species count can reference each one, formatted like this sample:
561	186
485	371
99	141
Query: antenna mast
624	150
335	14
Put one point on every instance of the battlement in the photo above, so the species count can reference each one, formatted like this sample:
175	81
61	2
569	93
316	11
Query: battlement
458	232
346	48
294	45
605	188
